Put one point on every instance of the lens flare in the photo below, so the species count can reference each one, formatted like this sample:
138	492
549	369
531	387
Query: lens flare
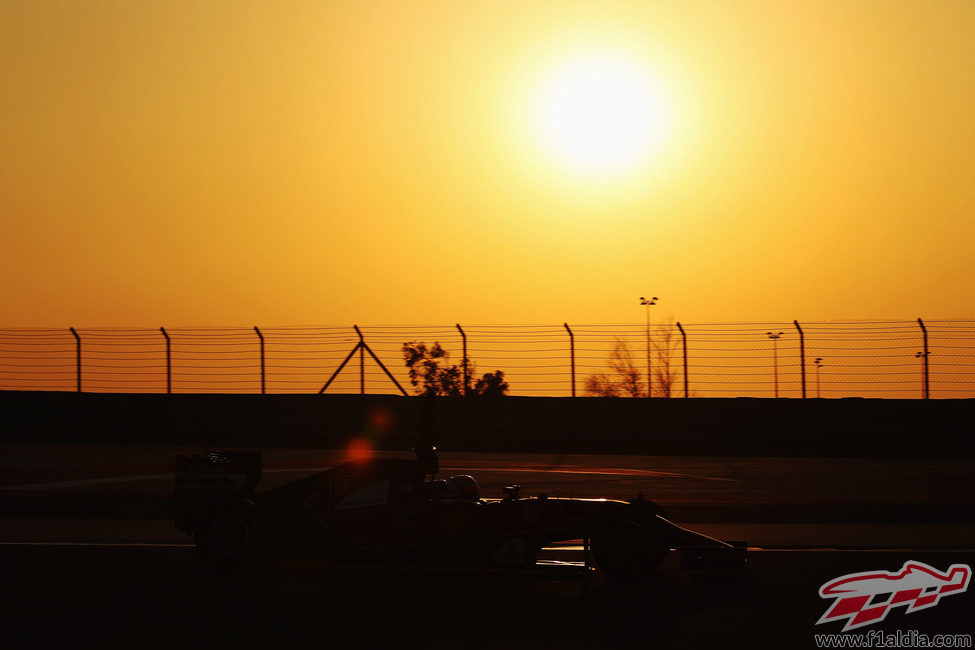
359	448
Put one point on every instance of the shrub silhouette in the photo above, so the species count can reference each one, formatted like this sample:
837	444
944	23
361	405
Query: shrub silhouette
432	374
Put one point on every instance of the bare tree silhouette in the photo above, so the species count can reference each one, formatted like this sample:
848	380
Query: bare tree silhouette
600	385
626	382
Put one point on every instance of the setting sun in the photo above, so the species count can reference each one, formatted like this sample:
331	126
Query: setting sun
599	114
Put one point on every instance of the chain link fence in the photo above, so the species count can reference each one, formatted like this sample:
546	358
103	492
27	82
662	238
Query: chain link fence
893	359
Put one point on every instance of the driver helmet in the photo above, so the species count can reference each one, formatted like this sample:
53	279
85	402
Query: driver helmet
462	487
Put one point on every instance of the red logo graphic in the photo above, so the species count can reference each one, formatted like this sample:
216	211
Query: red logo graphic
865	598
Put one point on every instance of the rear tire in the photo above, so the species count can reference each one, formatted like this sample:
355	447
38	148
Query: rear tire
233	537
629	543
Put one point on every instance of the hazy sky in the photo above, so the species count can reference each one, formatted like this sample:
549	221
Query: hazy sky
239	163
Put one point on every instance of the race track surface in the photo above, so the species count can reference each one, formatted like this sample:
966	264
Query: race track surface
91	558
905	501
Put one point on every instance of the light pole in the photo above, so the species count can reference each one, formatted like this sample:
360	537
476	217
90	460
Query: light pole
775	359
649	303
819	364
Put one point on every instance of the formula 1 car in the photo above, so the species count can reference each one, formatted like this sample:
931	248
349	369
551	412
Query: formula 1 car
396	509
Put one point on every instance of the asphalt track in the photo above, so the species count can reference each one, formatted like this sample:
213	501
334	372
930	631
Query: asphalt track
781	502
161	597
91	559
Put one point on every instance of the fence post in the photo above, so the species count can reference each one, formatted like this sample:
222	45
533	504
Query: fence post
572	356
358	347
261	337
384	368
927	386
467	379
169	362
77	356
362	361
362	348
683	338
802	356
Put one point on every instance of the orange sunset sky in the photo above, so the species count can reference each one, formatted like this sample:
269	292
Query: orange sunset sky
240	163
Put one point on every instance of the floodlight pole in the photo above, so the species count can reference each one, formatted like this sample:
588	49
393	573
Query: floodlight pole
802	356
775	359
819	366
649	303
467	379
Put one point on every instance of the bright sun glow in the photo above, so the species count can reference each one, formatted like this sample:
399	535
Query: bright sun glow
600	114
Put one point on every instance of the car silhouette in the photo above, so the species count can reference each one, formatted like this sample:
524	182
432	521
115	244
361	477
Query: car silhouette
395	509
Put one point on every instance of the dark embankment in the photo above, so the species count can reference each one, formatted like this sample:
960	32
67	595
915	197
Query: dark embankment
730	427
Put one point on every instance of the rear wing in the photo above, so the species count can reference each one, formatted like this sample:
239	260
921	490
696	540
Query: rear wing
206	481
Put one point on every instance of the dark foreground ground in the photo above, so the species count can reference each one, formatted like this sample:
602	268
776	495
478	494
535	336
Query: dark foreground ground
161	597
818	489
91	560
